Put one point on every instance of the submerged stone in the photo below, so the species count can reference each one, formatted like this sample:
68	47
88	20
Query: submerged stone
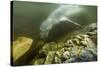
20	47
50	57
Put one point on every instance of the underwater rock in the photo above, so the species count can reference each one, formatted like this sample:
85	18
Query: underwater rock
52	46
63	20
87	55
91	28
60	45
69	43
66	54
60	52
62	55
57	60
93	36
19	47
70	60
91	31
49	48
84	51
39	61
50	57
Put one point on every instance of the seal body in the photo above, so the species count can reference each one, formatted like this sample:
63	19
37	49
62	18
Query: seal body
65	18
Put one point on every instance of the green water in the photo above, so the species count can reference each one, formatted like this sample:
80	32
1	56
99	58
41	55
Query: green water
27	17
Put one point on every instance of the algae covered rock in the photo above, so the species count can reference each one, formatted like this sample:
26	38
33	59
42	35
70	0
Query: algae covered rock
39	61
50	57
84	49
19	47
48	47
91	30
57	60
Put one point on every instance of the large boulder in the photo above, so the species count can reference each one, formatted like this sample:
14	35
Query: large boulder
21	49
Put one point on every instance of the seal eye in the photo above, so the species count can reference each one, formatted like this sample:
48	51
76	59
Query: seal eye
63	19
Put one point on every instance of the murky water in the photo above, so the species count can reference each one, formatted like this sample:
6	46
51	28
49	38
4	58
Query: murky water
27	16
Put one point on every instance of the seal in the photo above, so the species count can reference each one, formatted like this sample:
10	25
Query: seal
64	19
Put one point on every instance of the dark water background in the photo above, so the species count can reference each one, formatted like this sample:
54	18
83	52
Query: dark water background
27	17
